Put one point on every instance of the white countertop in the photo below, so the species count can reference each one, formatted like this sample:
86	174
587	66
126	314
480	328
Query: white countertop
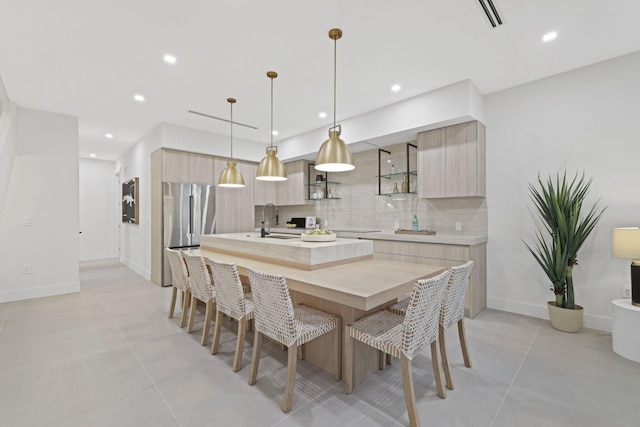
446	239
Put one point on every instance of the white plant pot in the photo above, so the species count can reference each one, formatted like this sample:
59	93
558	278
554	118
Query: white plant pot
564	319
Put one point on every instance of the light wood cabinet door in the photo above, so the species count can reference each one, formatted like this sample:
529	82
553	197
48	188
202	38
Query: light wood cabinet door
175	166
235	209
293	191
265	192
431	161
201	169
451	161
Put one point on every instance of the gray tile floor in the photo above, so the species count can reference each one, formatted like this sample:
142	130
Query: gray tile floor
109	356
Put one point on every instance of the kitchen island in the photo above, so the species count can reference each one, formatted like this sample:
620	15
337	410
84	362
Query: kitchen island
350	290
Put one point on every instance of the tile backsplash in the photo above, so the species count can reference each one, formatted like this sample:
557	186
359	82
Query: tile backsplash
359	206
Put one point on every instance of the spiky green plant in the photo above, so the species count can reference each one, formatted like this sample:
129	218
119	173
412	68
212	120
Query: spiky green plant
559	204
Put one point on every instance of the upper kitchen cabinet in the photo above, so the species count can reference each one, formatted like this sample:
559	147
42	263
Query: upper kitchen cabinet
182	166
294	190
235	211
265	192
451	161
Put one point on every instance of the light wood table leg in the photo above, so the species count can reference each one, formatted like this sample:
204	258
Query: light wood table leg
348	359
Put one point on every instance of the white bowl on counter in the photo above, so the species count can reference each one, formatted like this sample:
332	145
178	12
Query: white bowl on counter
318	237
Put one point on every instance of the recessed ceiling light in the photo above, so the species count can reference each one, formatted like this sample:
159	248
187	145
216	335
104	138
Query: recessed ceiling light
549	36
92	155
396	88
322	115
108	135
138	97
275	133
170	59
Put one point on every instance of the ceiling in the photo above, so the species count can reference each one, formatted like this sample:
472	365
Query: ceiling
87	58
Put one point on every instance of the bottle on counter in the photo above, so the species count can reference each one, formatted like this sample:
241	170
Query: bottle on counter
415	226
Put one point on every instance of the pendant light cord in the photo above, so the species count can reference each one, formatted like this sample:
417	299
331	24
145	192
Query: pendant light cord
271	112
231	126
335	56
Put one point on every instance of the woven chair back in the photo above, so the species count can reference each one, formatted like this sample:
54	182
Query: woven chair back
420	325
200	280
274	315
228	287
453	299
179	272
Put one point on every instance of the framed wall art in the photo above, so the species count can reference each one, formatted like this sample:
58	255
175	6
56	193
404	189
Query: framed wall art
130	201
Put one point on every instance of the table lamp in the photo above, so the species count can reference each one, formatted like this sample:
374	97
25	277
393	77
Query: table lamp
626	244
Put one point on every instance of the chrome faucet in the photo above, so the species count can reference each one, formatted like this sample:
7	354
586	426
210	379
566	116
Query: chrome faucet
264	232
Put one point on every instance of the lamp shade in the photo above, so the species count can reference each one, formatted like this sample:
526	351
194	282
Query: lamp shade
626	242
230	176
271	168
334	155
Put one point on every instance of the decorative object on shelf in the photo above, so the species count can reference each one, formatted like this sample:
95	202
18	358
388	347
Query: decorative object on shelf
334	155
626	244
395	187
415	226
270	167
559	203
419	232
405	183
319	179
230	176
130	207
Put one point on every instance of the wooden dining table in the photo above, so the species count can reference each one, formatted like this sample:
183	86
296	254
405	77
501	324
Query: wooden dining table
350	290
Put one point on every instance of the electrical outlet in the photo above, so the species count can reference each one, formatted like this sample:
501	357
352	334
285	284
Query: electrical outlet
458	226
26	269
626	292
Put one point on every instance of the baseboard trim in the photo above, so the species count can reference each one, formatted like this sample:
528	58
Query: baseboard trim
135	267
40	291
98	257
600	323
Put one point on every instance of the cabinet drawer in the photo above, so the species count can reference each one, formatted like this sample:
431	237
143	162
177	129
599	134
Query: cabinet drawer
423	250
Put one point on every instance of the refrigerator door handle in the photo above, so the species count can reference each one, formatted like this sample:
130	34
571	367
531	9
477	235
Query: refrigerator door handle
190	214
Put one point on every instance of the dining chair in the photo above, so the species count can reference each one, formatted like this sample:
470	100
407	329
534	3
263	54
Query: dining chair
452	311
232	301
201	290
179	281
403	336
293	326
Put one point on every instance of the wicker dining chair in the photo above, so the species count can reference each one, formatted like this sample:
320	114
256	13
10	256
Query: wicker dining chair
452	311
403	336
201	290
293	326
232	301
179	281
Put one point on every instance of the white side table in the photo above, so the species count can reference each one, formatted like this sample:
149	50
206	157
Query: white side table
625	330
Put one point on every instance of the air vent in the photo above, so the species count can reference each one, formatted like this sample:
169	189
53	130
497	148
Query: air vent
491	12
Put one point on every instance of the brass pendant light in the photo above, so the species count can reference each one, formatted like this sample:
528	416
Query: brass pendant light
271	168
230	176
334	155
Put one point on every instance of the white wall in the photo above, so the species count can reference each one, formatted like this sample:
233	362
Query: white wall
99	209
582	121
43	187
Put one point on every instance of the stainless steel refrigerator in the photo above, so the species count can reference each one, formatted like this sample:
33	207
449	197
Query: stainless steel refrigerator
188	211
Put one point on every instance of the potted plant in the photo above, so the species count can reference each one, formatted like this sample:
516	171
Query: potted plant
559	203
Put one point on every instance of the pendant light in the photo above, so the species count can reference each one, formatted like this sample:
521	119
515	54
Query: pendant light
230	176
334	154
271	168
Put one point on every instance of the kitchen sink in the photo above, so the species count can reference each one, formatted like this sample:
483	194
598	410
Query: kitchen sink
282	236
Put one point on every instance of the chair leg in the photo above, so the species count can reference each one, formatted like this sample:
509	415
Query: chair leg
192	314
301	352
291	378
237	360
382	360
255	358
186	296
174	294
463	343
348	360
389	359
337	343
217	328
445	359
207	323
409	394
437	372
